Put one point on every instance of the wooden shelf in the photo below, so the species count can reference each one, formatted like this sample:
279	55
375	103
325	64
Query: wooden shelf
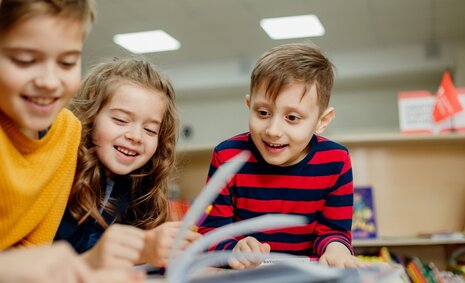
360	139
198	149
397	138
405	241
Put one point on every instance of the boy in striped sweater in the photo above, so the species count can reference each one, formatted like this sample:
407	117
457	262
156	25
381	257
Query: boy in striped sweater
292	170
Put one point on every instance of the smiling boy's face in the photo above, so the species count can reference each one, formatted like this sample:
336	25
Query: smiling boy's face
40	70
282	130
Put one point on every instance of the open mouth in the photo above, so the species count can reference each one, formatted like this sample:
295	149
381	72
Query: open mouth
275	145
41	101
126	151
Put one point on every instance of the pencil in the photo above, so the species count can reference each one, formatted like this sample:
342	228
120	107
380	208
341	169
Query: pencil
202	218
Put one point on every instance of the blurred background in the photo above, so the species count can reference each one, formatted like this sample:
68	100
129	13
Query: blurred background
379	48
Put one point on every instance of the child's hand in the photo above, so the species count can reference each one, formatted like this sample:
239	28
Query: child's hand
51	264
57	264
338	255
248	245
120	246
119	276
159	240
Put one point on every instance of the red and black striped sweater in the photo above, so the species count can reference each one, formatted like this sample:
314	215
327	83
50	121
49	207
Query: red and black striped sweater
319	187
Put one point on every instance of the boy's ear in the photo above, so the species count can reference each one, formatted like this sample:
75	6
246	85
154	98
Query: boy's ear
247	100
324	120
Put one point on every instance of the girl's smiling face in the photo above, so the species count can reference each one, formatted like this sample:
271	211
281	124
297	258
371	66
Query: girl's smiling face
126	128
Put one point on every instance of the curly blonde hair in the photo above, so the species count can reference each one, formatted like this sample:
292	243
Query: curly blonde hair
149	184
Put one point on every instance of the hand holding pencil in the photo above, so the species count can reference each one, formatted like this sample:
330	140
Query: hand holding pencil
160	239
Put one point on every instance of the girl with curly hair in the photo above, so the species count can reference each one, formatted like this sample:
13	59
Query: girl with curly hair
118	208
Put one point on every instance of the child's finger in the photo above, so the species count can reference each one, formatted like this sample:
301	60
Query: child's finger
185	244
235	264
244	261
123	263
127	253
120	276
192	236
323	261
265	248
127	231
134	244
82	272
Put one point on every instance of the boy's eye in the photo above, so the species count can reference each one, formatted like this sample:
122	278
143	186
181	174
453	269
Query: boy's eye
68	64
292	118
263	113
23	61
69	61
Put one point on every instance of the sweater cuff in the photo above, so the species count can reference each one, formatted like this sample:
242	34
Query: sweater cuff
322	245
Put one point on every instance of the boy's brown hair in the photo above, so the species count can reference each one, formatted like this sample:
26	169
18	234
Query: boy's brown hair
294	63
15	11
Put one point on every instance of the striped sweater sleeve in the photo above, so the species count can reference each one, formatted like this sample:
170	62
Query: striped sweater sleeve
335	221
222	212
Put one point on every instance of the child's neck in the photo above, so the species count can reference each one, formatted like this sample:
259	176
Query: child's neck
34	134
30	133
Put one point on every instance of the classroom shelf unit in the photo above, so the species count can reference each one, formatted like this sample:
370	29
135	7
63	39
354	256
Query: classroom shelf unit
437	251
418	183
404	241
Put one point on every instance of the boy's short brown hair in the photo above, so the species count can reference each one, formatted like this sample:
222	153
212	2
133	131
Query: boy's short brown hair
14	11
294	63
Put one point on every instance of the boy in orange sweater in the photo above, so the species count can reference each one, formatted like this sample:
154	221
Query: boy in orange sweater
39	139
40	71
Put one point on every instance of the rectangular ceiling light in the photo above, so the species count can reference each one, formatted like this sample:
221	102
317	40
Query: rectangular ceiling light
147	41
293	27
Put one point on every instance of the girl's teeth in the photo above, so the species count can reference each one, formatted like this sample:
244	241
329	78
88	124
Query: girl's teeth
127	152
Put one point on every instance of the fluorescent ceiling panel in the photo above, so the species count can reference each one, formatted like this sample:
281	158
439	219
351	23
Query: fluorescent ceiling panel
293	27
147	41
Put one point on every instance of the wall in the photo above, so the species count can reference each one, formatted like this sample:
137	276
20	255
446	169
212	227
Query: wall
362	106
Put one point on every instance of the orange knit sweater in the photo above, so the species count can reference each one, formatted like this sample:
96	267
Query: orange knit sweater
35	180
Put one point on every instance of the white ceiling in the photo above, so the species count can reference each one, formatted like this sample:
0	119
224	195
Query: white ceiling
221	39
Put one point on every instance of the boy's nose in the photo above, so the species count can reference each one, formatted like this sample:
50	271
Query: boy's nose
48	79
273	129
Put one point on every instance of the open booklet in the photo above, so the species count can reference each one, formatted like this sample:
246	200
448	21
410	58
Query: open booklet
183	267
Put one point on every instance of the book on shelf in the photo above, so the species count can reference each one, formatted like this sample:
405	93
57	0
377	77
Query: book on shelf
420	271
417	270
364	216
415	113
459	118
443	235
185	266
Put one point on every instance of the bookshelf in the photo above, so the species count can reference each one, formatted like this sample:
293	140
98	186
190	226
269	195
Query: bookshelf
418	183
437	251
404	241
418	180
357	139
